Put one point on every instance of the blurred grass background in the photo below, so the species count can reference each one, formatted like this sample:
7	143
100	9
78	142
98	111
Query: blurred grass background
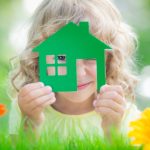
13	18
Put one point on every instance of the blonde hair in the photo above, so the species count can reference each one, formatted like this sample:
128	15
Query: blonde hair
105	23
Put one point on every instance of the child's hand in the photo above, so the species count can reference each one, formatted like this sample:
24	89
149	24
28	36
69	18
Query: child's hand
110	104
32	100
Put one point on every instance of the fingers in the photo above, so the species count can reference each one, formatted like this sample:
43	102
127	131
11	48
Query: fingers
110	98
116	88
109	104
40	107
38	93
105	112
35	95
29	87
39	101
113	95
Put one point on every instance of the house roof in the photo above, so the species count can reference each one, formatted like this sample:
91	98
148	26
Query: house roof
73	38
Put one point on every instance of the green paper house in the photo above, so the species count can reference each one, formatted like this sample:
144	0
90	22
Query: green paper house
71	42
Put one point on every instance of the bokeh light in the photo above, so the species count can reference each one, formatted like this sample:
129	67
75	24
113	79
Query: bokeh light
31	5
18	33
18	37
144	85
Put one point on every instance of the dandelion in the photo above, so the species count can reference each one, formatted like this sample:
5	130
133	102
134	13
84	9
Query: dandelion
140	131
2	109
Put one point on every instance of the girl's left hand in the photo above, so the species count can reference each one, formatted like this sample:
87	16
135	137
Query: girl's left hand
110	104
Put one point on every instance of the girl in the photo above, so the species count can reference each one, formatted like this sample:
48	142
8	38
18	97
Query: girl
84	111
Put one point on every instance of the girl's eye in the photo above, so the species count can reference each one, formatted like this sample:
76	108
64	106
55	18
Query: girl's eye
61	58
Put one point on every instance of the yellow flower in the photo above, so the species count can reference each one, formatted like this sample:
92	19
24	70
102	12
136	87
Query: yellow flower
140	131
147	147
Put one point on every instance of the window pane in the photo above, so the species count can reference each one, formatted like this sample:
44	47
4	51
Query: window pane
51	71
62	70
50	59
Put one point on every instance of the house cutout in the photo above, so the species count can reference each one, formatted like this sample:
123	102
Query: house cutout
63	49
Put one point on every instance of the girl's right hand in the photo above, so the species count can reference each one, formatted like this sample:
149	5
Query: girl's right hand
32	100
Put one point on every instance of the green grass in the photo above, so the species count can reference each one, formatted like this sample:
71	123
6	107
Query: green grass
26	141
